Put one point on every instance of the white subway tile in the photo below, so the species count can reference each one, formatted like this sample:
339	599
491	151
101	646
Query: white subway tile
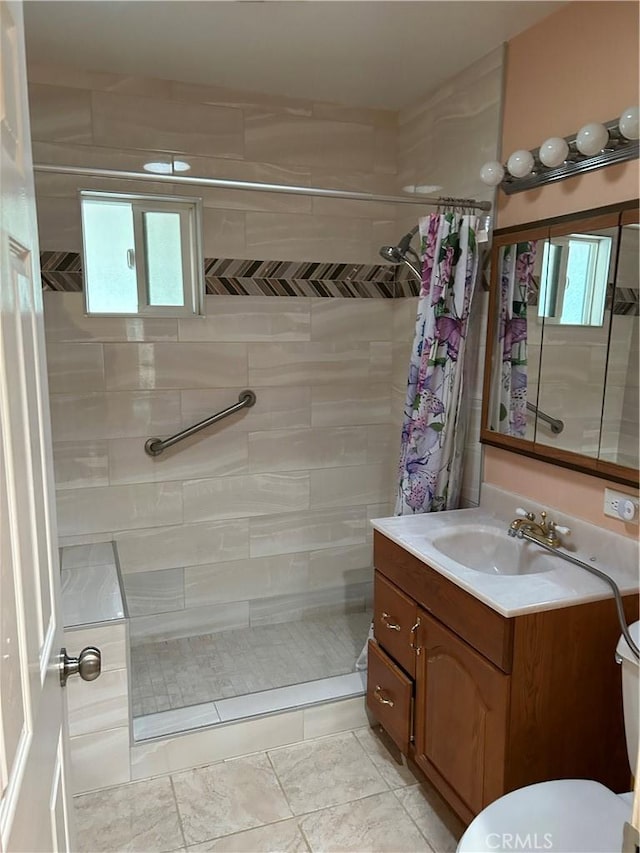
300	237
307	605
154	592
119	507
80	463
173	547
73	368
349	564
298	140
346	404
301	449
348	486
250	495
175	365
122	121
255	318
318	363
216	451
99	760
190	622
303	531
87	417
100	705
240	580
59	114
347	320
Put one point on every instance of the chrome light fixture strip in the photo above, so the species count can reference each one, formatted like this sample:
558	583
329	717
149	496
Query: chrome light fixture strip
621	150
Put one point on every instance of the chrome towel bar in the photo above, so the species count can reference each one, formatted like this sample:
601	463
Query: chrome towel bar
155	446
555	423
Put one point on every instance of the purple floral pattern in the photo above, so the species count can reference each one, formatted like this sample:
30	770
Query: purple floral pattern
516	280
433	429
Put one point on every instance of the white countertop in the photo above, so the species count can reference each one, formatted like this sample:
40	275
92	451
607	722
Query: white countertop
90	586
562	585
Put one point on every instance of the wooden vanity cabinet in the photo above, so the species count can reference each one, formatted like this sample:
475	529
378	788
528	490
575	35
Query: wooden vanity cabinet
485	704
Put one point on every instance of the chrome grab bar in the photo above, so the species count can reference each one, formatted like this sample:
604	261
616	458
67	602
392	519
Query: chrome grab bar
555	423
155	446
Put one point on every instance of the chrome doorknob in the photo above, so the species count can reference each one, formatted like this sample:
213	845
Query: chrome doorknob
88	664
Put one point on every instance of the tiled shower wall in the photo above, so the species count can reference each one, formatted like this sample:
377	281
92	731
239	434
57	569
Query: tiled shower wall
261	518
112	121
443	140
265	516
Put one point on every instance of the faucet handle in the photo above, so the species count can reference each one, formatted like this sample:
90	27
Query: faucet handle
561	529
523	513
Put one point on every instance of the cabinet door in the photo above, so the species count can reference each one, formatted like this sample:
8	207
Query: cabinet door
461	718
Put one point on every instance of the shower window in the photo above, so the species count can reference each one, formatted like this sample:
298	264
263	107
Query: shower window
142	255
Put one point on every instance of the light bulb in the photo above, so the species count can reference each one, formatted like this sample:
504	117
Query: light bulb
591	139
520	163
553	151
492	173
628	123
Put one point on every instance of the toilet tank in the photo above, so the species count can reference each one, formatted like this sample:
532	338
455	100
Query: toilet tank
630	690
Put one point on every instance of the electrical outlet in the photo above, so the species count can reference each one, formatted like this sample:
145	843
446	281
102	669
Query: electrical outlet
620	505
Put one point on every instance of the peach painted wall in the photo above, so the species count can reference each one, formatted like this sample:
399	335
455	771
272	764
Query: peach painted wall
580	64
576	494
575	66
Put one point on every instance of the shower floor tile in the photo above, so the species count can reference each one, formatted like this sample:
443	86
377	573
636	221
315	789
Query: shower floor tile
173	674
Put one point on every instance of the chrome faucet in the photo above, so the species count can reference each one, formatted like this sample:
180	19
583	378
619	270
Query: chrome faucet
546	532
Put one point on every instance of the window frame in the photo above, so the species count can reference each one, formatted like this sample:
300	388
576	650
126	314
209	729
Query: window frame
594	299
190	211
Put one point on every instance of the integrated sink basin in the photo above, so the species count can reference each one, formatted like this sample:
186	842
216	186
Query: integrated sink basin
490	550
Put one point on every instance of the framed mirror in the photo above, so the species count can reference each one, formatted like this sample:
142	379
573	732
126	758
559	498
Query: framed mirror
561	372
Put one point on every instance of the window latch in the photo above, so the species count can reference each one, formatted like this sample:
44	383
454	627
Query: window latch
131	259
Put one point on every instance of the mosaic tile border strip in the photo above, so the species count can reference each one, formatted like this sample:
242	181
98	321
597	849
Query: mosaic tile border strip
62	271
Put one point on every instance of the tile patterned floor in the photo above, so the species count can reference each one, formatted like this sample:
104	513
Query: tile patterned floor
339	793
178	673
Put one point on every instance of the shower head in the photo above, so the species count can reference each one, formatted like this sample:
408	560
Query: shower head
391	254
398	254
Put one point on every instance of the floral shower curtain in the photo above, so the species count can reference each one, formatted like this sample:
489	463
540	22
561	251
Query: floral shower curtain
433	429
509	403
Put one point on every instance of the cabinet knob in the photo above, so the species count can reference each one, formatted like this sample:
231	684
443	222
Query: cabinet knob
392	626
382	699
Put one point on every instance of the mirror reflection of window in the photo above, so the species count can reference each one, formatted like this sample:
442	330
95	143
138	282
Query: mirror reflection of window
574	287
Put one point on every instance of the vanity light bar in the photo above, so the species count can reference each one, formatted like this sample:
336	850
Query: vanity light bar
592	147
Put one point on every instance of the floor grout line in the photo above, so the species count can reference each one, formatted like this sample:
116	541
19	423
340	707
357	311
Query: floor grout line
413	821
175	798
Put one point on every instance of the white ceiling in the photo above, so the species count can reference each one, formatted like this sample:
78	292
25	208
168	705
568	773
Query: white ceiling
369	53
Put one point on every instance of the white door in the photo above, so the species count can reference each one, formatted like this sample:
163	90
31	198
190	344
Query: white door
34	805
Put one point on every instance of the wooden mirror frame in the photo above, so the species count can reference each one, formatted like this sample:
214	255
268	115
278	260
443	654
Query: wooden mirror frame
621	214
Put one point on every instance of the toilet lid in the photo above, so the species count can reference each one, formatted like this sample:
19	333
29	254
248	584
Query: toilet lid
565	816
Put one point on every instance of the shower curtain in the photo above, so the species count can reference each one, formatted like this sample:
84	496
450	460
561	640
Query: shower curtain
433	430
508	404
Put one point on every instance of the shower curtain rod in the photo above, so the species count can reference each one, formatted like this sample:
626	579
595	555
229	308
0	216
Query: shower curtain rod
256	186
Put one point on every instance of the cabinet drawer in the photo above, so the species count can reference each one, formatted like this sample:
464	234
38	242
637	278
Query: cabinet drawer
394	622
480	626
389	693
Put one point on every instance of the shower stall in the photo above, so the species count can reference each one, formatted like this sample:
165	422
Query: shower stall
234	460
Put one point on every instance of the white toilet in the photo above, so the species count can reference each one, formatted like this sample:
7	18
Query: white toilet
566	815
